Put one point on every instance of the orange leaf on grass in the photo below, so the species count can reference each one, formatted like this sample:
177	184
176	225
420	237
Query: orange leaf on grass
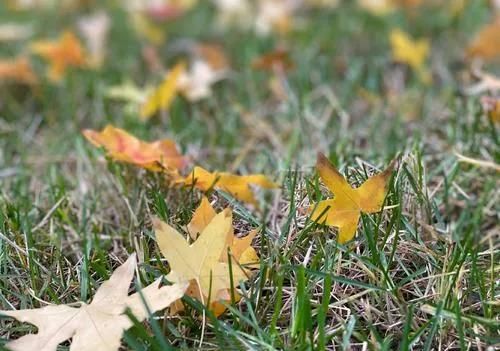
486	44
62	53
236	185
344	210
122	146
17	70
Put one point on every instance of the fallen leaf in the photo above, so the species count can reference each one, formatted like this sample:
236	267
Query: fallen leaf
377	7
163	96
15	31
487	83
344	210
234	13
100	324
236	185
94	28
491	106
212	54
202	216
242	253
201	262
147	29
278	60
128	92
157	156
62	53
486	43
414	53
17	70
274	16
196	83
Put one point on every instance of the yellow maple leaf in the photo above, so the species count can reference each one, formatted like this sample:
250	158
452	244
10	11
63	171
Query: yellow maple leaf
241	252
163	96
160	155
17	70
205	263
100	324
414	53
486	43
344	210
61	54
236	185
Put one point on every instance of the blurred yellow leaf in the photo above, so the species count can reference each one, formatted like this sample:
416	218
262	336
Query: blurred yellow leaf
147	29
165	93
344	210
61	54
121	146
414	53
236	185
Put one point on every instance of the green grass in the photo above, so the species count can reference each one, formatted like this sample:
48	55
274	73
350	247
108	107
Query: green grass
421	275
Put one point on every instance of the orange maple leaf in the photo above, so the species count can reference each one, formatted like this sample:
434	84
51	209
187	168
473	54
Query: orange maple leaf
62	53
236	185
122	146
18	70
344	210
486	44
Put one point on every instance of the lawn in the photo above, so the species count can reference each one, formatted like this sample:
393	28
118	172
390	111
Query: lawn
421	273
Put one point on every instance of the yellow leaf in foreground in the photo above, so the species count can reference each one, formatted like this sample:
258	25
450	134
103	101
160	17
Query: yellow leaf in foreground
202	216
122	146
200	261
344	210
164	95
242	253
17	70
98	326
414	53
486	44
61	54
236	185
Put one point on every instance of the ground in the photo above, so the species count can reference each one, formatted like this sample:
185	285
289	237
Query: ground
422	274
